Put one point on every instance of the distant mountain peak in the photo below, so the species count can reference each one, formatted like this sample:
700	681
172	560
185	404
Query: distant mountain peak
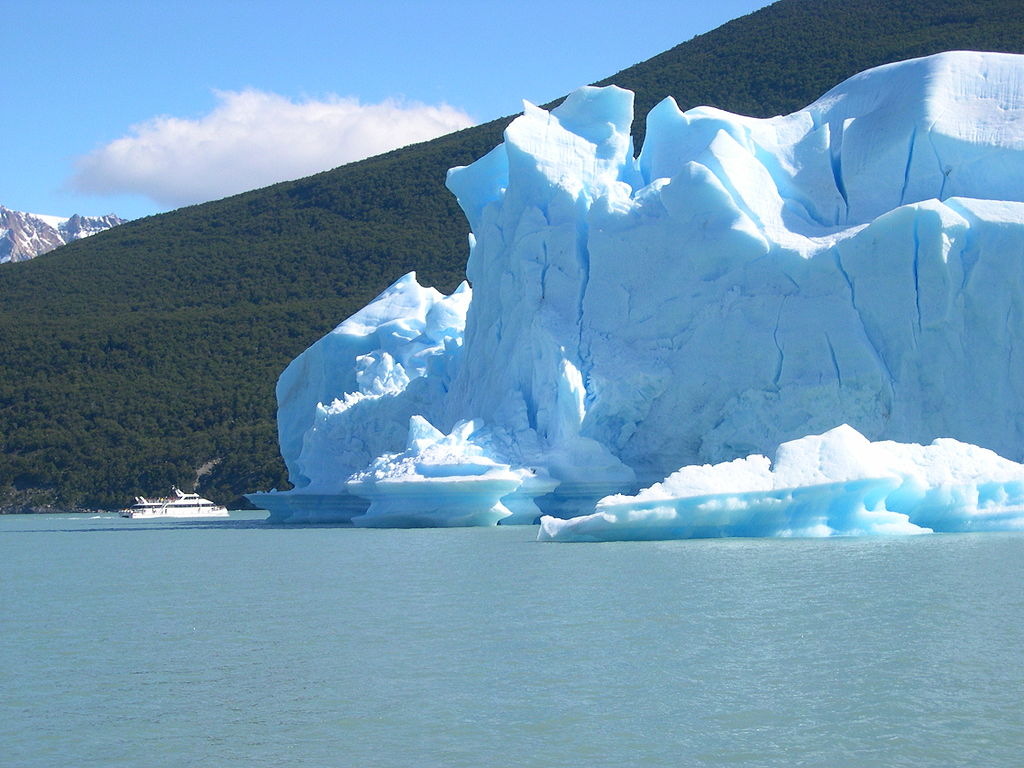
24	236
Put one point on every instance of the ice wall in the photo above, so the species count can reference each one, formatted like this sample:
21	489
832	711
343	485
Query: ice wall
739	284
749	281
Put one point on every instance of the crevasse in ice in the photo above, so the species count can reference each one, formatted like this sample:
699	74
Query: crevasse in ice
739	284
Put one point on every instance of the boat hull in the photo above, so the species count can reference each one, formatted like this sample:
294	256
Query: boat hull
179	514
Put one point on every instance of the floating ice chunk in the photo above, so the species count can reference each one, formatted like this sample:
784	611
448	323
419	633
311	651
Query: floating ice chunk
837	483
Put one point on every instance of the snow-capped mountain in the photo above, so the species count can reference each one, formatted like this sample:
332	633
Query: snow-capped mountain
24	236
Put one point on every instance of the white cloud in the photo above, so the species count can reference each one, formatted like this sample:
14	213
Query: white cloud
252	139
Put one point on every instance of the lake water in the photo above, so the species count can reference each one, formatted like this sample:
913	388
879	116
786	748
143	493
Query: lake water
149	643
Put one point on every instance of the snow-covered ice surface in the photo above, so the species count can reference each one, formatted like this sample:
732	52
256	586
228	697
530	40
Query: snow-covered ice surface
739	284
837	483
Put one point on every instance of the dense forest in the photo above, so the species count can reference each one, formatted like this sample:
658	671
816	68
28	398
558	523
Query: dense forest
147	355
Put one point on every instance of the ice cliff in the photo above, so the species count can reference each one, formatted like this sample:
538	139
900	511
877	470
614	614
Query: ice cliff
739	284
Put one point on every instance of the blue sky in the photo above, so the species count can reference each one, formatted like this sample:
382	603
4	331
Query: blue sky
139	107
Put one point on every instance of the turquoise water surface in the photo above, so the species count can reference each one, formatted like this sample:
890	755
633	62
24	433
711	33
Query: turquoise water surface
234	643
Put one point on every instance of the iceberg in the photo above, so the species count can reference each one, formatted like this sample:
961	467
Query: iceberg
738	284
833	484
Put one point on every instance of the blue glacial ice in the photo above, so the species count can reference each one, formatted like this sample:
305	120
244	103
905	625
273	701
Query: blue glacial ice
739	284
837	483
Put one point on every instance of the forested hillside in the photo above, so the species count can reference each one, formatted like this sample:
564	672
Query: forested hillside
140	356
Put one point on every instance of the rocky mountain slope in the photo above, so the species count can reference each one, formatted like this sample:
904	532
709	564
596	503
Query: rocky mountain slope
24	236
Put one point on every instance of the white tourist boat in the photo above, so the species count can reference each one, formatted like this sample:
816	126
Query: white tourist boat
189	505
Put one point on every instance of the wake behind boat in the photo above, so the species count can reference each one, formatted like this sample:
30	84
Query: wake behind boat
189	505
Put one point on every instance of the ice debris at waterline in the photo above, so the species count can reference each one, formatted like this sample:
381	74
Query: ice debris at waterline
740	283
445	480
837	483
